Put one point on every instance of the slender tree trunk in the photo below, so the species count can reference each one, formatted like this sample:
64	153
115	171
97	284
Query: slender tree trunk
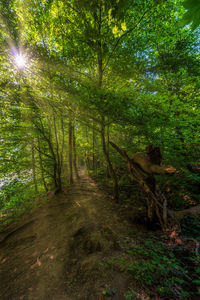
70	151
66	165
87	155
100	82
41	167
33	167
87	161
109	164
48	139
97	157
63	143
74	154
108	150
54	161
93	148
59	181
55	175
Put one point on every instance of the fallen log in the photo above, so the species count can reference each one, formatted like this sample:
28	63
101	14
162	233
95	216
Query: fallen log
195	210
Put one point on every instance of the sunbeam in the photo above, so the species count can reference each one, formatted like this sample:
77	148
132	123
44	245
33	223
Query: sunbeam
20	61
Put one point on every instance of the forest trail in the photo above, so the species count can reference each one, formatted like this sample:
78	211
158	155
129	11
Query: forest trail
57	251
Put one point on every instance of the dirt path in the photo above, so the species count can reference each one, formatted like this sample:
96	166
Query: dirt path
58	251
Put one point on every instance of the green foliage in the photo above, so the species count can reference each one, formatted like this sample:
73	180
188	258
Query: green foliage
193	13
130	295
109	292
191	226
182	190
153	265
15	194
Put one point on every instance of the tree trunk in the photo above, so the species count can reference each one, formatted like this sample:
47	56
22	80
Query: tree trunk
155	200
93	148
74	154
109	164
48	139
195	210
63	144
58	165
108	150
42	168
33	167
100	83
70	151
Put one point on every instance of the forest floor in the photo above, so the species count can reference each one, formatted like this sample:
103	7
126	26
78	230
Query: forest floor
60	250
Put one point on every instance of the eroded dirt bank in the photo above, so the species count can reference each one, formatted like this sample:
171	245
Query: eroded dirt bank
58	251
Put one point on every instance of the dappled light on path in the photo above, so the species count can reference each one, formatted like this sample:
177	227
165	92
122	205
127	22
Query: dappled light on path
4	260
37	263
78	203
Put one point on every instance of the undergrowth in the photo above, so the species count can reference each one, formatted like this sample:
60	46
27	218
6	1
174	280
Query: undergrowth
154	266
16	197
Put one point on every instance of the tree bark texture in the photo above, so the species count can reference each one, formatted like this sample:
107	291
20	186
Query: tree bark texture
33	167
109	164
74	153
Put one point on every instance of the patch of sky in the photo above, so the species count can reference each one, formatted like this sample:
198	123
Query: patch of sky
25	176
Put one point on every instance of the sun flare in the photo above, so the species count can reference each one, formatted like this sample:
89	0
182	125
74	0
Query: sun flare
20	61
